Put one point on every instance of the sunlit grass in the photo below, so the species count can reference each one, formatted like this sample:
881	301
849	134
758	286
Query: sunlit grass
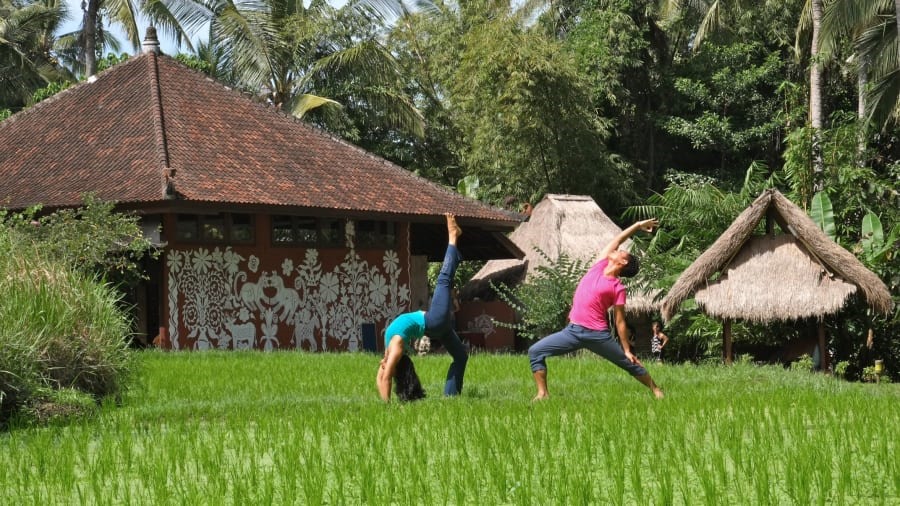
295	428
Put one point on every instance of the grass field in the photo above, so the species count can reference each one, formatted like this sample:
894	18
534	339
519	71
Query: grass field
294	428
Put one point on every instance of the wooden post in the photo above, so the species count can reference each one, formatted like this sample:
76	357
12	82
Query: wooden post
823	350
726	341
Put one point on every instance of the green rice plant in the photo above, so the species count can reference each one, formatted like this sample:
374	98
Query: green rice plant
300	428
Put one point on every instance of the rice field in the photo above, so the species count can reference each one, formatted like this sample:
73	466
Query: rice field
296	428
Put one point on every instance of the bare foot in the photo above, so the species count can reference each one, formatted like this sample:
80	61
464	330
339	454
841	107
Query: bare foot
540	397
453	230
658	393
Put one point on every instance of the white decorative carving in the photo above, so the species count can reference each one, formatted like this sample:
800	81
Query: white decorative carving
483	323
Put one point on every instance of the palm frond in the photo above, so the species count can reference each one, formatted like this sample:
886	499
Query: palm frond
307	102
882	98
369	58
123	13
166	22
246	39
388	11
711	23
804	31
395	110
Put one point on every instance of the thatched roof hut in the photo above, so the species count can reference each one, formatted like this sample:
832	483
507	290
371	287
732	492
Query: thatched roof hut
573	225
797	274
800	273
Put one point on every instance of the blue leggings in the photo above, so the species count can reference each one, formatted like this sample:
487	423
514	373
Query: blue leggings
574	337
439	322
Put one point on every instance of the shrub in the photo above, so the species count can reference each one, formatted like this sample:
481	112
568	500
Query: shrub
543	301
92	239
840	369
804	363
59	328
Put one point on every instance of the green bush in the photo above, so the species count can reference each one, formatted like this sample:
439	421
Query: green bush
543	301
59	328
92	239
804	363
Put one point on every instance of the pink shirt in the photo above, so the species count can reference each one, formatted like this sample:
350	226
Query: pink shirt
594	296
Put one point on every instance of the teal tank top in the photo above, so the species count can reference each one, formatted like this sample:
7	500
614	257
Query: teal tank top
409	326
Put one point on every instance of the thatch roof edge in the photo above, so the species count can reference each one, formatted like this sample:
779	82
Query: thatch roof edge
711	260
835	257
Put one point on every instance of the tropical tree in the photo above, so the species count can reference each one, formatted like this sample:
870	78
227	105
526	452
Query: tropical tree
815	91
698	22
872	25
625	58
299	57
92	37
723	108
27	61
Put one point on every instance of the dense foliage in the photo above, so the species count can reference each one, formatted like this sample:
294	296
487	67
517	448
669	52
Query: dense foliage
542	302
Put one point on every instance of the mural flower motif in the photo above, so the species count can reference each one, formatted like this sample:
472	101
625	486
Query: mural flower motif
391	262
231	261
253	263
330	287
174	262
202	260
309	272
378	289
287	266
344	323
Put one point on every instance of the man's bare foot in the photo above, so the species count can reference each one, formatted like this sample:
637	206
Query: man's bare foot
540	397
453	229
658	393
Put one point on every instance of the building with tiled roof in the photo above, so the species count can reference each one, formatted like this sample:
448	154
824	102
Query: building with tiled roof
274	234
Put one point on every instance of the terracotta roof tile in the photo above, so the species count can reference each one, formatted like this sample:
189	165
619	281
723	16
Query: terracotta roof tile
115	135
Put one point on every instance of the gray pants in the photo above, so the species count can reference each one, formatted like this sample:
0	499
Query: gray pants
575	337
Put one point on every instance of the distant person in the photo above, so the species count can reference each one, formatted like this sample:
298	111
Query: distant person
598	290
437	322
658	341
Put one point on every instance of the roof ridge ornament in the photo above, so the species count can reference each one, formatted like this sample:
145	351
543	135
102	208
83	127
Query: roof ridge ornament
151	42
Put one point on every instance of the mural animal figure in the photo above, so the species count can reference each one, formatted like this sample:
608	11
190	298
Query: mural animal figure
304	330
243	335
252	295
287	300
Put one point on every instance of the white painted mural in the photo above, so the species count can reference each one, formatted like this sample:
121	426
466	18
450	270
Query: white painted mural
221	300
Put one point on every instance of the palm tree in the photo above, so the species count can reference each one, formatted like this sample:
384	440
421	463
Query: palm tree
92	38
289	54
26	42
815	93
715	16
873	26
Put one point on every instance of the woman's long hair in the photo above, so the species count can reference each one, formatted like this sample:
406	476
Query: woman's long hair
406	382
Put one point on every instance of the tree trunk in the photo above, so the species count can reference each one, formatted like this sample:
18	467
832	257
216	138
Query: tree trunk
897	13
815	96
863	83
89	32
